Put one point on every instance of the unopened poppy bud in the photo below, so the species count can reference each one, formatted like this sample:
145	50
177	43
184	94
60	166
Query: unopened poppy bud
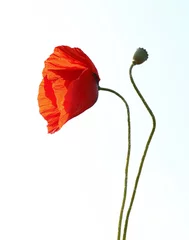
140	56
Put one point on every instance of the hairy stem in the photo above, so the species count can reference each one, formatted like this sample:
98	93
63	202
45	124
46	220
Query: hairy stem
127	160
145	150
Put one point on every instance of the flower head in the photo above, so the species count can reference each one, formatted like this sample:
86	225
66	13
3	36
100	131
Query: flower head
69	86
140	56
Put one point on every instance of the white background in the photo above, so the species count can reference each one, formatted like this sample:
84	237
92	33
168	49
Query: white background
69	185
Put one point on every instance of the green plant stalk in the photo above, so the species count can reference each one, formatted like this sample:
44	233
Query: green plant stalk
127	160
144	154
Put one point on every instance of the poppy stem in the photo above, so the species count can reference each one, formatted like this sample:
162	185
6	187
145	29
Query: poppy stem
127	159
144	154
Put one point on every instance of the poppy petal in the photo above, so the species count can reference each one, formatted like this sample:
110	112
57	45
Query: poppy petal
69	86
69	59
82	94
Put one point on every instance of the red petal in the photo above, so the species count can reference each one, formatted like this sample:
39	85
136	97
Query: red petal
82	94
69	86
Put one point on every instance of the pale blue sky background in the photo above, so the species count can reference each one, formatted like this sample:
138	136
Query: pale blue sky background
69	185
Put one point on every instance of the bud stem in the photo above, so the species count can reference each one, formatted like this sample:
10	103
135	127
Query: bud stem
144	154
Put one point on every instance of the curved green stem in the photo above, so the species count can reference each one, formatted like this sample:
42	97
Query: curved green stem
145	150
127	159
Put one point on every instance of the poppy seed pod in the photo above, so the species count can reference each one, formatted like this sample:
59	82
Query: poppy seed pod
140	56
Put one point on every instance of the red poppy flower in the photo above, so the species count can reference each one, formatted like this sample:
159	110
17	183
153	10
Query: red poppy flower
69	86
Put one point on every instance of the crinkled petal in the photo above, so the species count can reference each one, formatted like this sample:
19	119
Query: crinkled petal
69	86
